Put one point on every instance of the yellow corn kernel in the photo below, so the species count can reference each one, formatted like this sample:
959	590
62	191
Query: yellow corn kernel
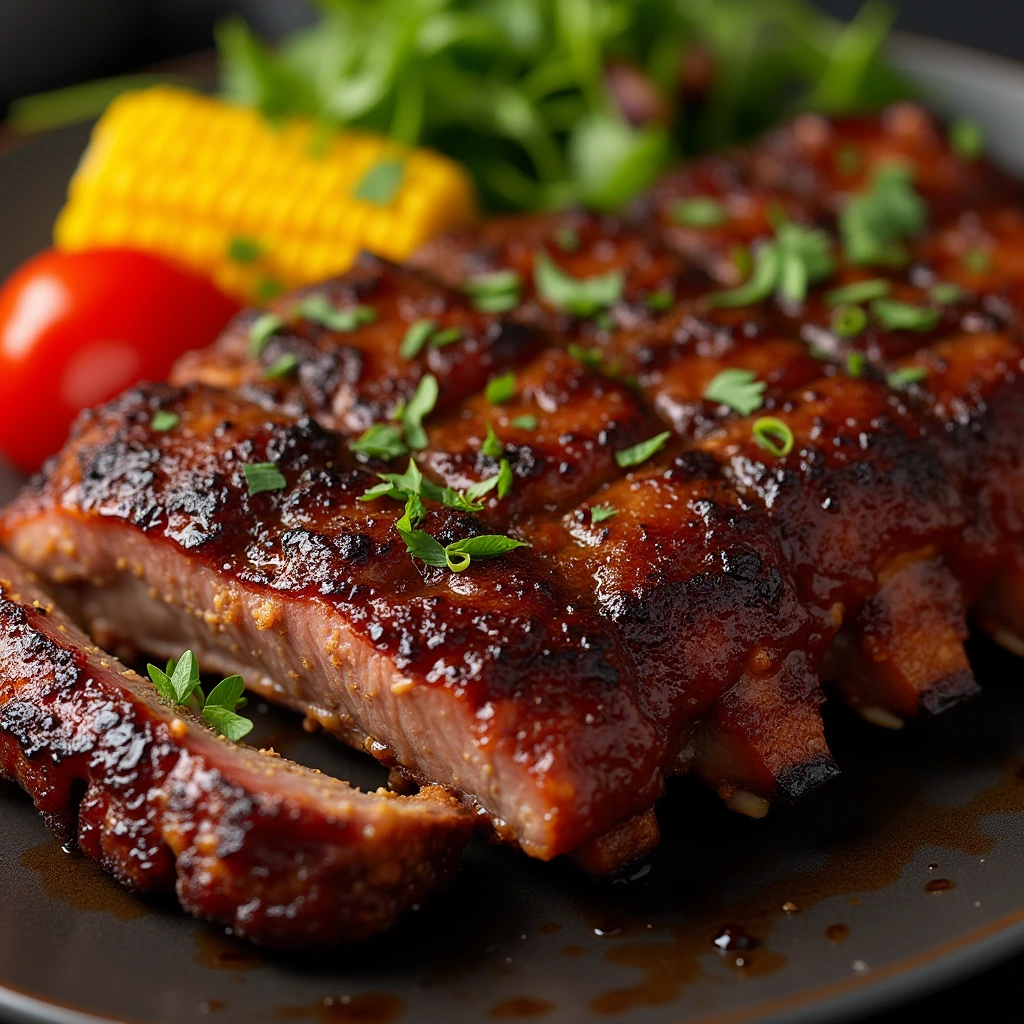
182	175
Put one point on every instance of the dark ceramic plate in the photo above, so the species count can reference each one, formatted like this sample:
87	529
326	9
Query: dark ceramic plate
905	874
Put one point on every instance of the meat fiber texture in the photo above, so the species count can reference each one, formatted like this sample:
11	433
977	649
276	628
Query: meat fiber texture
692	629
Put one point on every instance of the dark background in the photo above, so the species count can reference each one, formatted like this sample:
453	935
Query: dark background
48	43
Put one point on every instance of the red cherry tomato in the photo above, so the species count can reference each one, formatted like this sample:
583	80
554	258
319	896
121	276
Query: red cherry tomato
77	328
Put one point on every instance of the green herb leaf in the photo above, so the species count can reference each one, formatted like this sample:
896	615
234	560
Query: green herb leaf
643	451
459	554
414	514
699	212
501	389
900	379
220	707
590	358
263	476
446	337
738	389
493	282
164	420
179	682
505	479
492	446
978	261
525	422
946	293
283	367
967	139
875	223
567	239
849	321
317	308
417	409
660	302
581	297
381	182
762	282
416	337
244	250
894	315
422	546
269	288
855	363
261	330
380	441
859	291
599	513
773	436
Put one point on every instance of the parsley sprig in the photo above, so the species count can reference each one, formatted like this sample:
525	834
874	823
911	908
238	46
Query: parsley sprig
875	224
391	440
579	296
797	258
739	389
179	685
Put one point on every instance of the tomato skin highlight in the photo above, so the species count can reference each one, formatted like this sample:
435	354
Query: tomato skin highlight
78	328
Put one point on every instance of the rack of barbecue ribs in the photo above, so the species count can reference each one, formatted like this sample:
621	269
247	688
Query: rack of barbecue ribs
568	505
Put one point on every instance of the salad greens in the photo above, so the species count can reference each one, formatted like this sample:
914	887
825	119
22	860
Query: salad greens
555	102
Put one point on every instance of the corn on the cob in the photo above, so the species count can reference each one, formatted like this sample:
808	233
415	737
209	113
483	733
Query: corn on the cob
258	207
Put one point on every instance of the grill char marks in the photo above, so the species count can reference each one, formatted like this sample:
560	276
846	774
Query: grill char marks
349	378
499	681
684	630
284	856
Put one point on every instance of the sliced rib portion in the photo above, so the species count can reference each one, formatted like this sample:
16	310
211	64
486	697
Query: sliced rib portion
282	855
501	681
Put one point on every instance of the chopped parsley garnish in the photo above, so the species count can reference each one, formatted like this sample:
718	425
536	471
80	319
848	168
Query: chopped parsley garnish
855	363
967	139
244	250
978	261
263	476
859	291
460	554
567	239
380	441
179	685
525	422
501	389
773	436
849	160
283	367
269	288
416	409
660	302
739	389
495	292
492	446
643	451
416	337
381	182
599	513
894	315
699	212
591	358
849	321
319	310
905	376
448	336
874	223
797	258
164	420
265	325
579	296
946	293
505	478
